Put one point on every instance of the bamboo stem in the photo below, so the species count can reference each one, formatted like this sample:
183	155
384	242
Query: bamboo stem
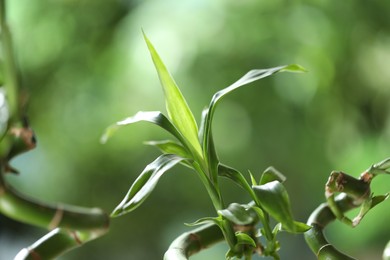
26	210
52	245
71	226
193	241
319	219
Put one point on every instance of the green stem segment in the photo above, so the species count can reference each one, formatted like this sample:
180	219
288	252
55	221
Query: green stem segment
71	226
319	219
53	244
354	193
192	242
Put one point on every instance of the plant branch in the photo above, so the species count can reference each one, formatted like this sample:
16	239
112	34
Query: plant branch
193	241
319	219
54	244
72	225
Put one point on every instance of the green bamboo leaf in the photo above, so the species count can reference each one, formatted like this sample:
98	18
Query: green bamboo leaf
239	214
380	168
213	161
155	117
223	224
276	229
211	156
274	199
271	174
258	211
383	165
177	108
238	178
299	227
245	239
234	175
378	199
253	180
207	220
367	205
170	147
251	76
145	183
294	68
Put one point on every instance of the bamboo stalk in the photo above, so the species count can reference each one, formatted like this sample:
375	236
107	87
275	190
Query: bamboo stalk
26	210
319	219
193	241
52	245
71	226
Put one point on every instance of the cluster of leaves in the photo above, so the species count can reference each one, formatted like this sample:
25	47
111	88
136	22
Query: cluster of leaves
195	149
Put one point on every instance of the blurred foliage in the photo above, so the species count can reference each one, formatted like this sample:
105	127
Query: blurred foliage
85	65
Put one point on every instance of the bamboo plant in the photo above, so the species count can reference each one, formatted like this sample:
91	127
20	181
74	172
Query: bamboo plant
194	147
354	193
69	226
246	228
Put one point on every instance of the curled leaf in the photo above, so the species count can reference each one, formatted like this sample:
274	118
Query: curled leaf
380	167
294	68
274	199
367	205
206	220
145	183
155	117
239	214
205	134
245	239
234	175
271	174
170	147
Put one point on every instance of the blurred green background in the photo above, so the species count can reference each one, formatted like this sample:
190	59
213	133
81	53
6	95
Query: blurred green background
85	66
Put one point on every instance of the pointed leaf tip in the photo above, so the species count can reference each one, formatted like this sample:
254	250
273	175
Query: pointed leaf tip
116	213
251	76
154	117
108	133
294	68
272	174
178	110
245	239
